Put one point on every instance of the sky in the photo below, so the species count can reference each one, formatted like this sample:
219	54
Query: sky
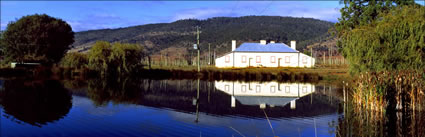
89	15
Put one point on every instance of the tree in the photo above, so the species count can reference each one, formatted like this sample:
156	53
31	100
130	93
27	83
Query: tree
74	60
36	38
394	42
126	57
98	56
363	12
121	58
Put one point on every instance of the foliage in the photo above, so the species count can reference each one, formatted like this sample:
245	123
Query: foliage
394	42
126	56
98	56
115	58
36	38
364	12
74	60
218	31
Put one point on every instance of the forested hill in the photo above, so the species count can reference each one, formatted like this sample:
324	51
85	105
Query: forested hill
180	35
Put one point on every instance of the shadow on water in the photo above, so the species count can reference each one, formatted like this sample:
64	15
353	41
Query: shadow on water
35	102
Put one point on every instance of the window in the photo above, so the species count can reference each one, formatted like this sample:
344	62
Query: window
273	59
304	89
305	60
227	88
258	59
243	88
278	87
227	59
243	59
272	89
287	59
258	89
287	89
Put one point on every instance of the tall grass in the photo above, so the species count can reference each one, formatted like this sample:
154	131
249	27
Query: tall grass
395	90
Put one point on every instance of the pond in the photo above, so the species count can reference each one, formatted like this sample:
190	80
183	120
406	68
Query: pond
146	107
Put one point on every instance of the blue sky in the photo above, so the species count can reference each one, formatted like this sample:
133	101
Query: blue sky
88	15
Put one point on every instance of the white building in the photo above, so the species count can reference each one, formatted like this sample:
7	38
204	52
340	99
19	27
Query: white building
266	93
264	54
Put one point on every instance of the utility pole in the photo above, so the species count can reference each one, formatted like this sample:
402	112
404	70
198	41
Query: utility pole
197	47
311	52
209	54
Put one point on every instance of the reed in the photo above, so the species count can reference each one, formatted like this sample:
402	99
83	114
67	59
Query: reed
361	122
389	90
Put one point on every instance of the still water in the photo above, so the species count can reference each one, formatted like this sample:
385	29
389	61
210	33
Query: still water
187	108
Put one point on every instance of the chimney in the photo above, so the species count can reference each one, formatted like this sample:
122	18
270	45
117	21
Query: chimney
233	45
263	42
272	42
293	45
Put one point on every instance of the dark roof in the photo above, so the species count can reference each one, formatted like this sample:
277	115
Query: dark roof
271	47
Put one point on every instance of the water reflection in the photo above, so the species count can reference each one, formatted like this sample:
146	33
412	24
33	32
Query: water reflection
245	99
35	102
115	90
145	107
265	93
358	122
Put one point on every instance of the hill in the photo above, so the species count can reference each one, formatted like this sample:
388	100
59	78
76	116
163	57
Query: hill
178	37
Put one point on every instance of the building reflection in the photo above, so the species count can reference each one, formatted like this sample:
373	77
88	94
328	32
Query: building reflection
199	96
265	93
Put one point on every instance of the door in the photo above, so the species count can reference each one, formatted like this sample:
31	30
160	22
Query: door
278	62
251	62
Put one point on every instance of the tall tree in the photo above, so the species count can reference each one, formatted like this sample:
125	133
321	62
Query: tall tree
36	38
395	41
362	12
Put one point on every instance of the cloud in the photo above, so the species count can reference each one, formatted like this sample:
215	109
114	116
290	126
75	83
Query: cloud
101	21
327	14
99	15
202	13
279	8
3	26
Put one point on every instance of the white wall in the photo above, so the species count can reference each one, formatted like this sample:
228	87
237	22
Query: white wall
274	89
222	63
280	60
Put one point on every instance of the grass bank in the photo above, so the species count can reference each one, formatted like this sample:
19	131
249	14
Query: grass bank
321	73
328	73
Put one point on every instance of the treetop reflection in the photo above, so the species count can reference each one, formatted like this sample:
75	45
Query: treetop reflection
35	102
